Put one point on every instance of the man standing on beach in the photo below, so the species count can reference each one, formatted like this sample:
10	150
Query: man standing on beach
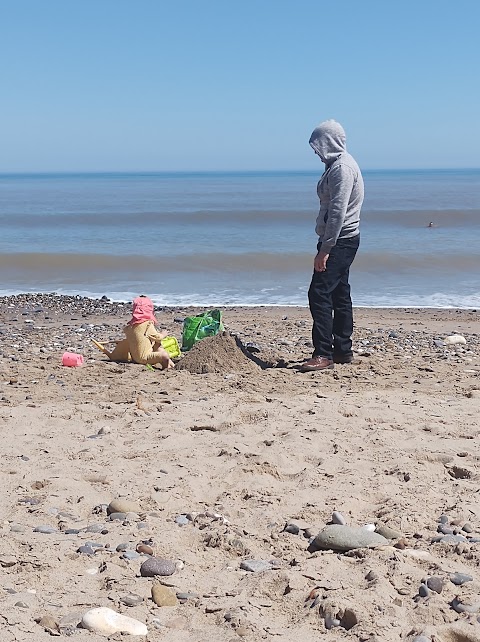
341	192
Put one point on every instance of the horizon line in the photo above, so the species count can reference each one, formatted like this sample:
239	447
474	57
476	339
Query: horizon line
224	171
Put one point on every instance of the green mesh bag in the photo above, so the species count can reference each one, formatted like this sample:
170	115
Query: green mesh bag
204	325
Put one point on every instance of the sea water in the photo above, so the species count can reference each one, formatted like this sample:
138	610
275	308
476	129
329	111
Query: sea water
236	238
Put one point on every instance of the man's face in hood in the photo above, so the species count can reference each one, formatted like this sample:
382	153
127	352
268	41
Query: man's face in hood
328	140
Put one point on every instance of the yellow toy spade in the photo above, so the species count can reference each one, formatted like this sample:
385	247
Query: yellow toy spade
170	344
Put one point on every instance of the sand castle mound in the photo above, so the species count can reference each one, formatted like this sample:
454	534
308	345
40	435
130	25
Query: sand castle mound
221	354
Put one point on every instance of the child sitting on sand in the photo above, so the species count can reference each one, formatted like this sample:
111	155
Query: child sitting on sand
142	344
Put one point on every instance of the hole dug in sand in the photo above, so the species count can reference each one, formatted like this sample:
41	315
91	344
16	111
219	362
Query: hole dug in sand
336	614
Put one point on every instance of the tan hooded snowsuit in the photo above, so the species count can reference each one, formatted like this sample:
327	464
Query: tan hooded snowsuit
143	341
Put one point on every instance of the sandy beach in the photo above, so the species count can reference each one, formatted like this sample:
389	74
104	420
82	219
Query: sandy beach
230	469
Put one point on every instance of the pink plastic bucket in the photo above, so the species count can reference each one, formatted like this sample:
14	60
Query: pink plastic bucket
72	360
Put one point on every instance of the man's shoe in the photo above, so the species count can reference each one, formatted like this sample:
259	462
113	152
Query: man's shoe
343	358
317	363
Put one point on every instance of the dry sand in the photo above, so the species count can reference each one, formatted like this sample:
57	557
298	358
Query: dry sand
243	451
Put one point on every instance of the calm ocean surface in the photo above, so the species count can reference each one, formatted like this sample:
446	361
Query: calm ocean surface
236	238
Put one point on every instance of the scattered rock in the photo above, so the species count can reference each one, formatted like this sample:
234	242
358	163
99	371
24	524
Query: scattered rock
106	621
48	530
49	624
124	546
21	605
338	518
121	505
181	520
187	596
455	339
386	531
346	538
460	578
120	517
163	596
435	584
7	560
157	566
458	472
451	539
131	600
96	528
461	607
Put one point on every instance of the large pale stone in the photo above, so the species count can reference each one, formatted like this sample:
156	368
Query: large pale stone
386	531
122	505
106	621
346	538
455	339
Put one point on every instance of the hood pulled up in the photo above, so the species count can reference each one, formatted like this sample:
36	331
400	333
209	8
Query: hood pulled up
328	140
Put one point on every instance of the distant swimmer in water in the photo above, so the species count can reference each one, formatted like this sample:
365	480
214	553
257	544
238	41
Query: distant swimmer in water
431	224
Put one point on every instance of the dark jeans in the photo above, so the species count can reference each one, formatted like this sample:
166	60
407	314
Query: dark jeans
330	302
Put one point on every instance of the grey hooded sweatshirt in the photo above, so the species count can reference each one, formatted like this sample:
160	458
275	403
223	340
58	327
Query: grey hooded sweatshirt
340	188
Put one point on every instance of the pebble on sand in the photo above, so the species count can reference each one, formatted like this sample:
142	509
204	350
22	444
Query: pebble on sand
346	538
49	624
386	531
131	600
121	505
435	583
157	566
106	621
455	339
163	596
181	520
460	578
461	607
45	529
7	560
338	518
451	539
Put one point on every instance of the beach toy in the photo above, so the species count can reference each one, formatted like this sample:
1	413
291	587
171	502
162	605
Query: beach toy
170	344
72	360
204	325
101	347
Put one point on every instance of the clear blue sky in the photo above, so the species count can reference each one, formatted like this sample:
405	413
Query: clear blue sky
222	84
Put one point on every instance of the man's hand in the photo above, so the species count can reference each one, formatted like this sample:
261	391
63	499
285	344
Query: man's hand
320	263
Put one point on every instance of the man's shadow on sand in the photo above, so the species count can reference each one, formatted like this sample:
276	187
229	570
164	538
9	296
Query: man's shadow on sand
251	352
